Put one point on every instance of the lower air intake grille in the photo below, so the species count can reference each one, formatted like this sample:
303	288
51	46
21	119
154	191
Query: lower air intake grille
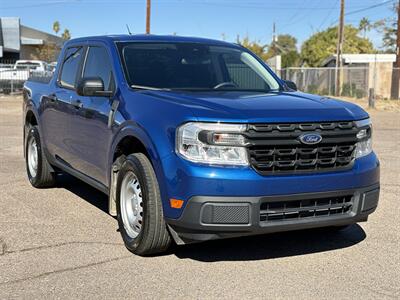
307	208
230	213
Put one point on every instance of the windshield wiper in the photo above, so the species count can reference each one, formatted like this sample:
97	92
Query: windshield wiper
151	88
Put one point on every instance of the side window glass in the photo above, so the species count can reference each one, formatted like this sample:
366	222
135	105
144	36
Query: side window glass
98	65
70	66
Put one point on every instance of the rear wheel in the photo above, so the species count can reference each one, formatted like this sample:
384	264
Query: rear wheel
38	169
139	208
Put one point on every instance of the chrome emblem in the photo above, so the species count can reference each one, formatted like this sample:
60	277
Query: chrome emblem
310	138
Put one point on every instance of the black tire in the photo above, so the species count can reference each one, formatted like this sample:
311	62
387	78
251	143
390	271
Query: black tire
44	176
153	237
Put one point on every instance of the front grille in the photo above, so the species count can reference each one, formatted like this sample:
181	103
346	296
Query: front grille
307	208
276	148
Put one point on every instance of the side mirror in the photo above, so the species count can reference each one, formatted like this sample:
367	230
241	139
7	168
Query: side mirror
92	87
291	85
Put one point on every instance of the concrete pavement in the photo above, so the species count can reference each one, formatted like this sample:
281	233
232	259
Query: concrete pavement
61	243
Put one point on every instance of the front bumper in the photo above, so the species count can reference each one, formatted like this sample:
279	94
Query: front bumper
209	217
181	179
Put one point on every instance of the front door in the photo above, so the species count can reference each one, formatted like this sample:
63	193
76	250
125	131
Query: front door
91	135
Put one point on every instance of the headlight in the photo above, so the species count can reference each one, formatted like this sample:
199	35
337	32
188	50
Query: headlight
212	143
364	136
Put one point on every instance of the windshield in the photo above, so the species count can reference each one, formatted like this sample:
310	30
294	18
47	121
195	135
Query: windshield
193	66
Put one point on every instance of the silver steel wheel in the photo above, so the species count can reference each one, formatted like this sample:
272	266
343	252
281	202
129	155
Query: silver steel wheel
32	156
131	202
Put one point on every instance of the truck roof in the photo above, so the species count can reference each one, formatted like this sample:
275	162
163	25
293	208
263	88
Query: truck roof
148	37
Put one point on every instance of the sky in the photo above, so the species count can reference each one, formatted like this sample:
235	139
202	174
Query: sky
218	19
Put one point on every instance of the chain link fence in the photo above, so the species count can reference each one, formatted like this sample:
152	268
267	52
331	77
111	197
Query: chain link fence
355	82
13	76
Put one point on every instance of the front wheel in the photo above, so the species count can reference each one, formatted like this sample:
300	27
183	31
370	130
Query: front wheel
139	208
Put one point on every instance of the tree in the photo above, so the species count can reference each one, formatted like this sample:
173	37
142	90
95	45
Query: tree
255	46
284	43
290	59
66	35
388	28
56	27
47	52
285	46
323	44
364	26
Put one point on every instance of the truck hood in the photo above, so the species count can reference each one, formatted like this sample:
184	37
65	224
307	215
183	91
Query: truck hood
263	107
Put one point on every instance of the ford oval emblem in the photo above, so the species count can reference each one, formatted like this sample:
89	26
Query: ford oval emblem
310	138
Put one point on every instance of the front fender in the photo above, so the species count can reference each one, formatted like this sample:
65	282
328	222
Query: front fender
134	130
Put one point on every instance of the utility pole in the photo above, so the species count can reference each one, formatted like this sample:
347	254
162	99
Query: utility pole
339	49
273	38
396	72
273	32
148	12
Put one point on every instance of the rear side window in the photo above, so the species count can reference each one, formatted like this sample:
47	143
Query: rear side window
70	66
98	65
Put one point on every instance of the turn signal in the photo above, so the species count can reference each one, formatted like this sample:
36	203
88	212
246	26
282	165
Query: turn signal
175	203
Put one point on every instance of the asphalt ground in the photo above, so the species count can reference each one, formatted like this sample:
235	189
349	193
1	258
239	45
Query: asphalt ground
61	243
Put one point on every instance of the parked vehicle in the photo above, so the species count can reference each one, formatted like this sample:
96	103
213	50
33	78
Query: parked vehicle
52	66
195	139
4	67
14	78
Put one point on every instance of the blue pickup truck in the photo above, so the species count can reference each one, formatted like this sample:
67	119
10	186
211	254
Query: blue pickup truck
195	139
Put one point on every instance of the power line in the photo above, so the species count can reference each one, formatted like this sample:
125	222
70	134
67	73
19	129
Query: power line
369	7
329	14
363	9
249	5
297	17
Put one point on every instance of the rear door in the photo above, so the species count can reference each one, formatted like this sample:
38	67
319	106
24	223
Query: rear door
57	109
91	135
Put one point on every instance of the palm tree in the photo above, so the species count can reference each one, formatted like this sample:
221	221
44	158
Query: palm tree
56	27
365	25
66	35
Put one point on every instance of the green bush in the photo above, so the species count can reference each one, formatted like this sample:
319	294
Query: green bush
347	89
312	89
325	91
360	94
351	91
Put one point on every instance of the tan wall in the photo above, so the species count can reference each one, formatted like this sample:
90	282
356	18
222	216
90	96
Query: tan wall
380	78
28	52
33	52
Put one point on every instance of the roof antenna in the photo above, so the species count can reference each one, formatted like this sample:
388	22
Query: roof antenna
129	31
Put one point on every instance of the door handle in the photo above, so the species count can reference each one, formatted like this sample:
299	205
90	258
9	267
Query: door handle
77	104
